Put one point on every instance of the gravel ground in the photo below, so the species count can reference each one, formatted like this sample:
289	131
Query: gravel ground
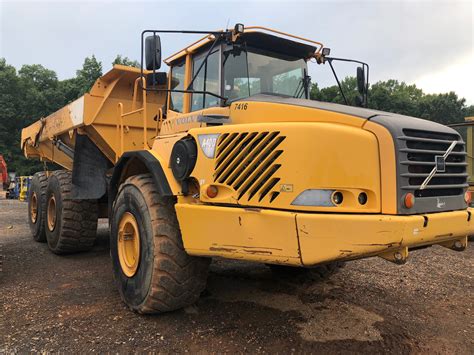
70	304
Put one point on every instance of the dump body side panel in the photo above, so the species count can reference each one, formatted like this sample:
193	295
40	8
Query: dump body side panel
112	115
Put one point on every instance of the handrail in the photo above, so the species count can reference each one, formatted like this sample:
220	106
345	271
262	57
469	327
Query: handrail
208	38
132	112
142	110
120	128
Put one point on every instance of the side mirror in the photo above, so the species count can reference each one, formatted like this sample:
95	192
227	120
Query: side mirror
361	85
153	52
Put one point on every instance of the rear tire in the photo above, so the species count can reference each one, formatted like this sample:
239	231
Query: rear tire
164	277
70	225
302	274
37	206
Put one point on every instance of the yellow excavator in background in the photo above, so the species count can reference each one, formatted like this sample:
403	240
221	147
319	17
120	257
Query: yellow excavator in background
225	156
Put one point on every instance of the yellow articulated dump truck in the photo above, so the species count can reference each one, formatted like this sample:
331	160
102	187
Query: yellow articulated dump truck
226	156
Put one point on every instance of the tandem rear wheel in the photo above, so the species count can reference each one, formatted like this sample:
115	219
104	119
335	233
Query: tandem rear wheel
70	225
37	206
153	272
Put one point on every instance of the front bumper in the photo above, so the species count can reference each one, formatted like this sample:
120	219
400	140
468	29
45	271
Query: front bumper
334	237
306	239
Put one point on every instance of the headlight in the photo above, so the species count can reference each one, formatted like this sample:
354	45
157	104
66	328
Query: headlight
313	197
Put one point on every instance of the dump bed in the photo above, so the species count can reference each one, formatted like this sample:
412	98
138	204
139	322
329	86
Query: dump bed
112	115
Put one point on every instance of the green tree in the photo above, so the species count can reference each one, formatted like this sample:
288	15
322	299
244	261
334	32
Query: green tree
469	111
442	108
40	88
333	94
125	61
90	72
15	110
395	96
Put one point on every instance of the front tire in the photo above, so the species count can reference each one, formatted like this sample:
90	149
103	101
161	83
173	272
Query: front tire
37	206
154	274
71	225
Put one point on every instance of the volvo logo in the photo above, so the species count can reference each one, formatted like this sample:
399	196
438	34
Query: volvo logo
440	165
439	203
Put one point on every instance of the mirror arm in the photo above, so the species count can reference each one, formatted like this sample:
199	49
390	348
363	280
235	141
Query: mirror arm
154	32
365	65
202	64
337	80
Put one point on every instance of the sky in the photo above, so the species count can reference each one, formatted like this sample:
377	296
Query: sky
428	43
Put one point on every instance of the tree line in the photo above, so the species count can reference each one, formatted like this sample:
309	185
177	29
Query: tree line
35	91
399	97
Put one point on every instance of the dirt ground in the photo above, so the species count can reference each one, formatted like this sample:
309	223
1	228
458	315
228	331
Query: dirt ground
54	303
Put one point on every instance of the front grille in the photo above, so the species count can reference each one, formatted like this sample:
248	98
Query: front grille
417	152
248	162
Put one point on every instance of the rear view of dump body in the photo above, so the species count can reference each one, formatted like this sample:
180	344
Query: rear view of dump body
191	174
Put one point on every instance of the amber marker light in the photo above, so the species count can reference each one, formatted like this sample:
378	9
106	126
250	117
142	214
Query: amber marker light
468	197
212	191
409	200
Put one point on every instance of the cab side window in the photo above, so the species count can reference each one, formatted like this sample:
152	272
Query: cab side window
207	80
177	83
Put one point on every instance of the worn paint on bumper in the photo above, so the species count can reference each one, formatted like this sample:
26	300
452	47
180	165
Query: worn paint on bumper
331	237
307	239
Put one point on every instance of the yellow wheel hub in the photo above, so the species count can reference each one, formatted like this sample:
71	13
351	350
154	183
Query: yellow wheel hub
34	208
128	244
51	213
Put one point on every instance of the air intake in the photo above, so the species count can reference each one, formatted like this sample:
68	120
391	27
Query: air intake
248	162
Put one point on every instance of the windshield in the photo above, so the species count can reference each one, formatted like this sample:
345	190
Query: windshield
257	71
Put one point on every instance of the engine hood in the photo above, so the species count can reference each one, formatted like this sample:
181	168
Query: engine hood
417	143
392	121
325	106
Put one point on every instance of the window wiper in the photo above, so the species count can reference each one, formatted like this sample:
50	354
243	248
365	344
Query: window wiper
300	86
204	92
303	86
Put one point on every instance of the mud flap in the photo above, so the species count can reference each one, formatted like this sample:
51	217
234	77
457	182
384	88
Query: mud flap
89	181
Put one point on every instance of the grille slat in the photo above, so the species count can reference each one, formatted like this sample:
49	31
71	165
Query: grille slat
425	175
253	167
435	187
224	141
231	148
255	146
265	176
430	140
260	169
430	163
248	162
417	154
427	151
233	158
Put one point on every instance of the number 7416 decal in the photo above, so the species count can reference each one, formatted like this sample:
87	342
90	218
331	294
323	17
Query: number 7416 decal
241	106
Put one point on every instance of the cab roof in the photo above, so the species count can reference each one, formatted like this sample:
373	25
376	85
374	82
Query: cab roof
259	37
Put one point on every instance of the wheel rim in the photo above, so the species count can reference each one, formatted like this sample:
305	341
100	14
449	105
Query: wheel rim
51	213
34	208
128	244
